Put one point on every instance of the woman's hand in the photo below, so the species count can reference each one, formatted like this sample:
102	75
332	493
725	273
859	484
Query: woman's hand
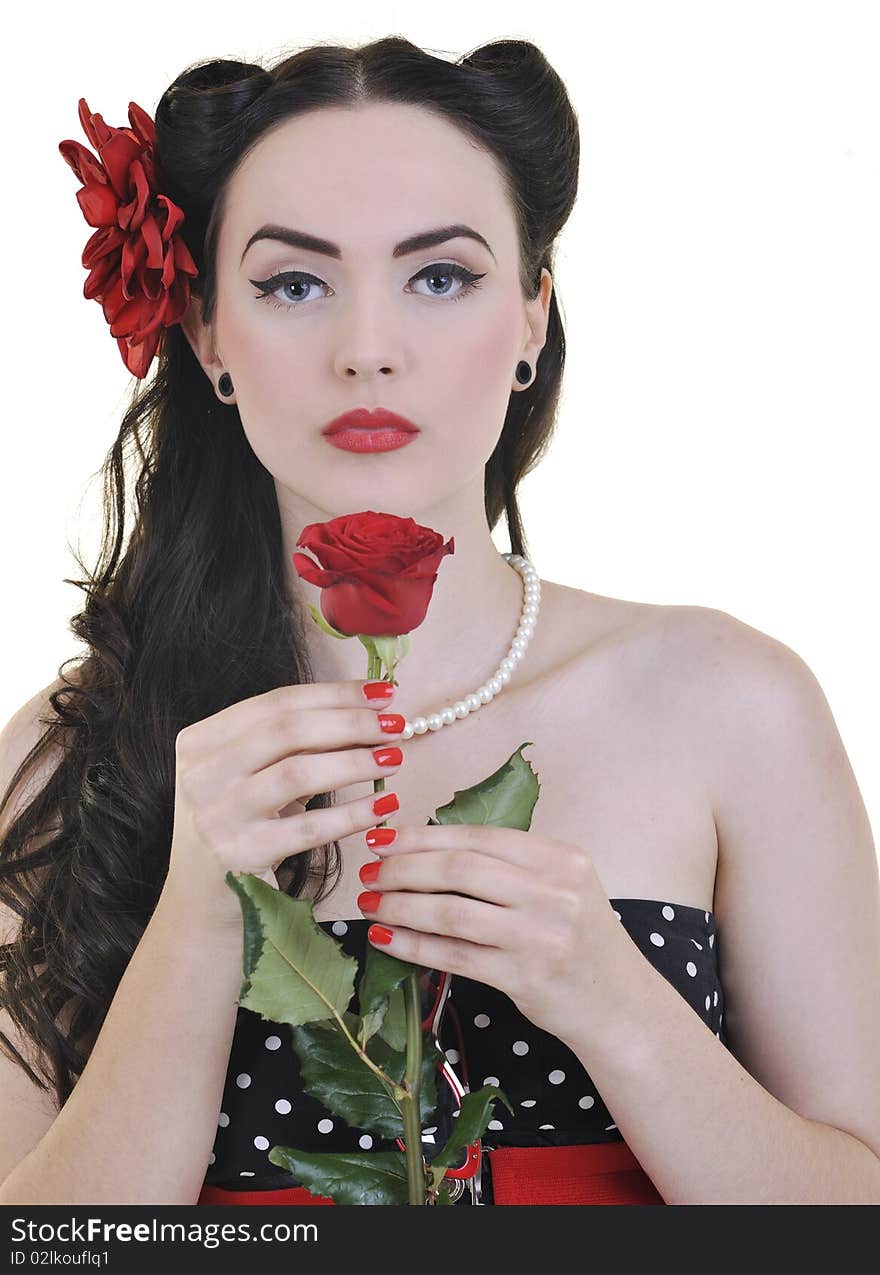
521	912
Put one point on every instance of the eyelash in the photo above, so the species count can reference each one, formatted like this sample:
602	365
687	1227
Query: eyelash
470	282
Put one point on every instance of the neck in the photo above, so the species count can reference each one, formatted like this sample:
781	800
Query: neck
471	619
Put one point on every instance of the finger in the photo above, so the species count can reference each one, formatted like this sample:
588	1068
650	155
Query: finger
450	872
450	915
243	719
524	849
275	839
456	956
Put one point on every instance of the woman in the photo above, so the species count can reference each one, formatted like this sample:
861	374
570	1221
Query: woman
373	229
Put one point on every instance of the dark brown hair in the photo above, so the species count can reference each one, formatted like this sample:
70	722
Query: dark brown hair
178	622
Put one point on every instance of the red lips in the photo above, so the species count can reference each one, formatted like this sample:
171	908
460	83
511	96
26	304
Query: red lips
364	418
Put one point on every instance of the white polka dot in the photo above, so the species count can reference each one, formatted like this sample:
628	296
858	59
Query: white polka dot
721	1017
433	1129
365	1141
718	1034
546	1126
610	1126
212	1159
261	1143
527	1102
453	1055
482	1020
520	1047
223	1120
711	940
586	1102
657	939
495	1124
492	1080
617	914
715	1002
669	913
243	1080
691	969
324	1126
455	1113
282	1106
708	1003
556	1077
428	1137
339	927
273	1042
706	915
697	945
246	1173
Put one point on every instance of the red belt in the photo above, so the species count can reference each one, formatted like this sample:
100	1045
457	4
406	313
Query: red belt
599	1173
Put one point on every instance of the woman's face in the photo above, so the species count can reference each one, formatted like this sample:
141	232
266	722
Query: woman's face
366	327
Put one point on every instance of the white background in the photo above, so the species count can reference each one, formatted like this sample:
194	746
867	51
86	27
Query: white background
719	281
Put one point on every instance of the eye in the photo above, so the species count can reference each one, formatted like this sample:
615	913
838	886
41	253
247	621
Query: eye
290	279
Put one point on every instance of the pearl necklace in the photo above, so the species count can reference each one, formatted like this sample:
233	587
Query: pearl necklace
502	675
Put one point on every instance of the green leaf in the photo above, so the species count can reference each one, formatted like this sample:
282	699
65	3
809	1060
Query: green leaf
293	972
443	1196
505	799
383	974
393	1029
324	624
348	1177
334	1074
471	1123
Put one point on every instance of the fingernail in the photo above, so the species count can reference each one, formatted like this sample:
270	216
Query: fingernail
369	871
378	690
392	723
388	756
369	901
380	836
380	934
385	804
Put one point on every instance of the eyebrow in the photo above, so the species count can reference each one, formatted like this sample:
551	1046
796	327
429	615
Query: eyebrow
415	243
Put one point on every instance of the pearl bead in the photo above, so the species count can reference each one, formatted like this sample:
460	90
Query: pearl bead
435	721
530	610
473	701
419	725
495	685
448	715
407	732
485	694
519	644
503	676
461	709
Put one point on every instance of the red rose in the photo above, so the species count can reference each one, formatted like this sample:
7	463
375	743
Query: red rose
138	265
376	573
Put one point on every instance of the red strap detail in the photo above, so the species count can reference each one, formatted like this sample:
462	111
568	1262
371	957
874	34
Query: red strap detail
285	1195
599	1173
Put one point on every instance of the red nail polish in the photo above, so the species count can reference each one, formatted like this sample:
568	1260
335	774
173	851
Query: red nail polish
392	723
380	836
386	804
378	690
388	756
369	871
369	901
380	934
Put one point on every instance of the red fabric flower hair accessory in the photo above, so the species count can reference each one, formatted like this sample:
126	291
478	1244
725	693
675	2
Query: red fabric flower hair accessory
138	264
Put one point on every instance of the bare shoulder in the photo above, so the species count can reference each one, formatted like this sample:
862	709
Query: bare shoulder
719	683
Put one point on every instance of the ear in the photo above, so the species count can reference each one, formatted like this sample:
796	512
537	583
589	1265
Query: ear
537	317
201	340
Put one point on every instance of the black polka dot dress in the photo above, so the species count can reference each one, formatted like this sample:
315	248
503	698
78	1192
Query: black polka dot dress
486	1040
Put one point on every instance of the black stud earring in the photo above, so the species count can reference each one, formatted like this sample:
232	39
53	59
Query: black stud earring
523	372
224	385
